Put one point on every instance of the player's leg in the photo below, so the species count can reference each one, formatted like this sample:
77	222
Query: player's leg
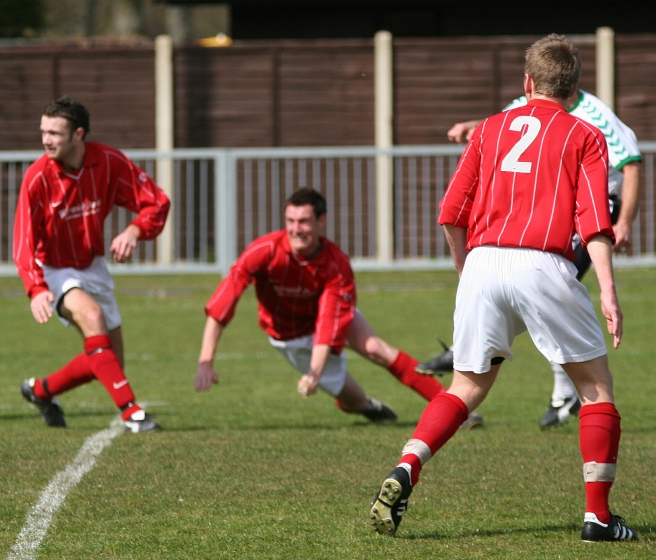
365	342
483	333
574	338
599	438
335	379
42	392
83	311
564	400
89	317
440	420
352	398
116	336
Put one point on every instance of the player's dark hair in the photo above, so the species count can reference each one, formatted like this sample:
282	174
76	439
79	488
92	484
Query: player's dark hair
554	64
70	109
307	195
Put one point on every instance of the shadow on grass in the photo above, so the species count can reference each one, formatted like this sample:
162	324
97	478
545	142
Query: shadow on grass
291	426
645	533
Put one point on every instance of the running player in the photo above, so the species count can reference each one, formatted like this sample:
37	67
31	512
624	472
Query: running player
59	251
529	178
624	198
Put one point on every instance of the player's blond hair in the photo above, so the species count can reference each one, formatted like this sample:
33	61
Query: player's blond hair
554	64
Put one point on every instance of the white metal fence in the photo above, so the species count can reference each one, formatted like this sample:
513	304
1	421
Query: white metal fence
223	199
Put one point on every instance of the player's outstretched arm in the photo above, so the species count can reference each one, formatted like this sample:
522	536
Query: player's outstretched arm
308	384
462	132
205	374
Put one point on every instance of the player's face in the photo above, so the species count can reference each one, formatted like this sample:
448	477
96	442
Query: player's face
58	139
303	229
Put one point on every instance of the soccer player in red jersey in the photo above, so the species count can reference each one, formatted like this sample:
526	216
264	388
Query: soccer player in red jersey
59	251
306	295
623	197
529	179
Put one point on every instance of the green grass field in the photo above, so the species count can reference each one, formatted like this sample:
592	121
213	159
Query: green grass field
252	471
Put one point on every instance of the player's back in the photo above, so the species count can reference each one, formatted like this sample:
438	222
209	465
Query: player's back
526	165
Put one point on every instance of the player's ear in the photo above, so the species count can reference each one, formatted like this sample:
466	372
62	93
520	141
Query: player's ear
528	85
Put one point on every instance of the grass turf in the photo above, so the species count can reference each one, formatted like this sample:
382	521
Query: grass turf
252	471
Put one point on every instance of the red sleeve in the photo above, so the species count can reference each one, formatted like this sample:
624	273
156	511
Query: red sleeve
27	225
336	306
138	192
223	303
456	205
592	210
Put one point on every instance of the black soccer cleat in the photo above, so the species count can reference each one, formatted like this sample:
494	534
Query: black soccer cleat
596	531
51	411
140	421
439	365
559	415
390	503
377	411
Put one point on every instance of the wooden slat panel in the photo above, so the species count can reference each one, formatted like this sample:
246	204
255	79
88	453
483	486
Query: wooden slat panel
295	93
223	98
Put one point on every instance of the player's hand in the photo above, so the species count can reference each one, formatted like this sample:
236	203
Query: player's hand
205	377
124	244
622	237
41	306
610	308
308	384
461	132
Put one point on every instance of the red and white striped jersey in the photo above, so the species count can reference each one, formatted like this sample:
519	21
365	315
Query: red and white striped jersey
296	297
60	214
530	177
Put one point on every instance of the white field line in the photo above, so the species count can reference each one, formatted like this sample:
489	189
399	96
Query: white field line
40	516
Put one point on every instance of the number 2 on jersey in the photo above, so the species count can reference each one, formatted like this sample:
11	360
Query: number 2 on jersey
511	161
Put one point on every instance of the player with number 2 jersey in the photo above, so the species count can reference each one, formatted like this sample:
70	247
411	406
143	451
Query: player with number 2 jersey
528	192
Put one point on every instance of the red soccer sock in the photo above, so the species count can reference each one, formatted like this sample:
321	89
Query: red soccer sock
599	439
439	422
403	368
74	373
107	369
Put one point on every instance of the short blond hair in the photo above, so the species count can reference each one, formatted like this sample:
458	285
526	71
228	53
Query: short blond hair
554	64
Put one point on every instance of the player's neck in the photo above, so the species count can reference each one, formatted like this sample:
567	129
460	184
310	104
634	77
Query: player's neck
309	254
75	160
572	99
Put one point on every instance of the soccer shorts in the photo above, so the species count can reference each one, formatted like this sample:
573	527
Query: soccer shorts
298	351
506	291
95	280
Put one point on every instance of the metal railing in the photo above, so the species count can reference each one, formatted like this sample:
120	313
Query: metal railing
225	198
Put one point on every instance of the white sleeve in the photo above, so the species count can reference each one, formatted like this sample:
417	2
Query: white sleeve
519	102
622	141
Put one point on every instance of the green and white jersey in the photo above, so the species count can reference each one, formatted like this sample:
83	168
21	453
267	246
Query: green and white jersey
621	140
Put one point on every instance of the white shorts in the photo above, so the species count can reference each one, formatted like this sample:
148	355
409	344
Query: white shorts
506	291
298	351
95	280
